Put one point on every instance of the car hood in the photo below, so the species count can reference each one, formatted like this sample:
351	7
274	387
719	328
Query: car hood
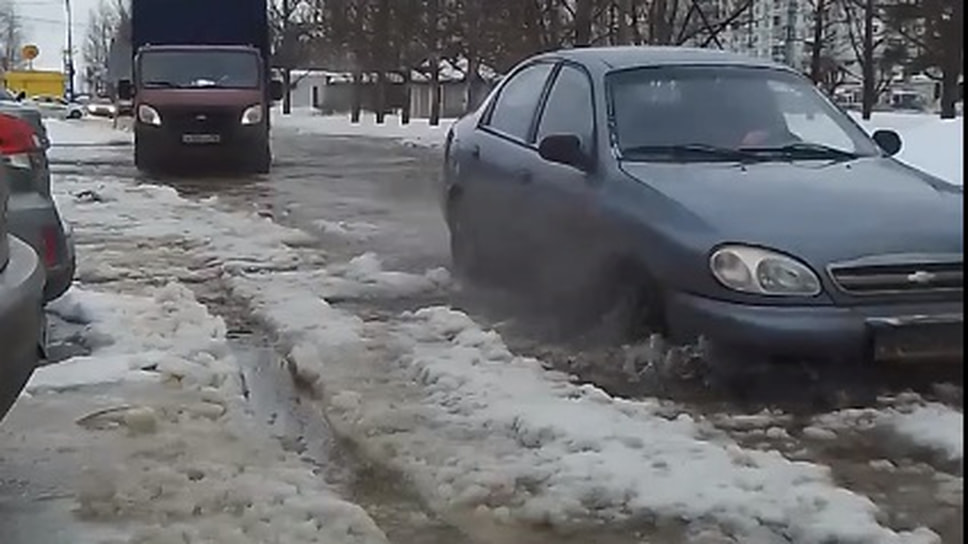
820	211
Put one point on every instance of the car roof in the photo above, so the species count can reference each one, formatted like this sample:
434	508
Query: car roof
610	59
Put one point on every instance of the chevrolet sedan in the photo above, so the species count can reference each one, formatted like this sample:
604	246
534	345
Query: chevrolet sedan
710	195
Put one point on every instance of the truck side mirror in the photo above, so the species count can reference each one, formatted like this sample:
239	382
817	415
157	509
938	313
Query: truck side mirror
125	89
276	90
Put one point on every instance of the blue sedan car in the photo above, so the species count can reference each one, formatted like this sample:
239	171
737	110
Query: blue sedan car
711	195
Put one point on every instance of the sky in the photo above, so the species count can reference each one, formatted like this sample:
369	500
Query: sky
45	26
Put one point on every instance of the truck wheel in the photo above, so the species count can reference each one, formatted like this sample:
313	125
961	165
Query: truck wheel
262	161
143	160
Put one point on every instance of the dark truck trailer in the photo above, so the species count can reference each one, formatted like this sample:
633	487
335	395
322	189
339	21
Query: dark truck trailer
201	83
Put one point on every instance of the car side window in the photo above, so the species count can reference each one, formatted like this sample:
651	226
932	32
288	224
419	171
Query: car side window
517	103
569	108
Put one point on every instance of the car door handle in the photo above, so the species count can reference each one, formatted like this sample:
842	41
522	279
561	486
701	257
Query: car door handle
475	152
525	177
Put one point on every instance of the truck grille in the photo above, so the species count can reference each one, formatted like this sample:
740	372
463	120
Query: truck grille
900	277
188	121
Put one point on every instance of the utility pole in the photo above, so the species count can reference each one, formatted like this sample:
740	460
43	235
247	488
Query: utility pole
69	60
790	51
868	99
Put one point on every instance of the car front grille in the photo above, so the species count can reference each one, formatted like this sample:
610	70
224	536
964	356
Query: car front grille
899	277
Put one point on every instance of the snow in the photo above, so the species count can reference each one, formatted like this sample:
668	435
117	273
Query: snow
933	425
190	467
478	429
418	133
178	456
85	132
929	143
136	334
928	425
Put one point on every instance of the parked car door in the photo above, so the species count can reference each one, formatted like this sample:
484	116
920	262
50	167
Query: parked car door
562	201
499	157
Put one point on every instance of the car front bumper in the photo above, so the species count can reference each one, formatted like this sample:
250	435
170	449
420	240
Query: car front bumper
895	332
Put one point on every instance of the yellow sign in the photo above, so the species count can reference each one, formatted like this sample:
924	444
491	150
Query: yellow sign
30	52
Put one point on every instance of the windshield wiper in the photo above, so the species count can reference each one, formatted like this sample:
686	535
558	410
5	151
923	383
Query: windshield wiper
694	150
804	149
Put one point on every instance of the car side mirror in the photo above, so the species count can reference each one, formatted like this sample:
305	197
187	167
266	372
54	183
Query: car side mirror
564	149
276	90
889	141
125	89
21	96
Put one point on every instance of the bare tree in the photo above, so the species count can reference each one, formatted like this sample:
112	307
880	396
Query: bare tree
934	30
104	24
875	54
11	34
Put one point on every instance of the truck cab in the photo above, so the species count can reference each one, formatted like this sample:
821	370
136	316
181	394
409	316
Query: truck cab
201	83
202	103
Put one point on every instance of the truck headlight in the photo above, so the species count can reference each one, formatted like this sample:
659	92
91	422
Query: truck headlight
252	115
762	272
149	115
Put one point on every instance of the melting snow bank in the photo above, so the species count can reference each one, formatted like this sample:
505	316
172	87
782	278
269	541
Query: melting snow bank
481	431
926	424
175	457
418	133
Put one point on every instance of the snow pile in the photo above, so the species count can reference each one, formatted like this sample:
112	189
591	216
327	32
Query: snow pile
113	213
418	133
353	230
169	334
930	143
933	425
480	430
925	424
85	133
360	277
182	460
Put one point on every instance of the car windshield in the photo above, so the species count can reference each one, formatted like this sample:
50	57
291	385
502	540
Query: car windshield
5	96
728	113
189	69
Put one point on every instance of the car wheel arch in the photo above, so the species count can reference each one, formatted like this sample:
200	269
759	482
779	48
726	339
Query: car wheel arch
633	276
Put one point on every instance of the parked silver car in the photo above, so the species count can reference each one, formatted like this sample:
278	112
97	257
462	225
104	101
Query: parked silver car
32	213
22	322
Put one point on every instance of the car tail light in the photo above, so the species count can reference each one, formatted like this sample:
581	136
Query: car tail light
51	239
17	141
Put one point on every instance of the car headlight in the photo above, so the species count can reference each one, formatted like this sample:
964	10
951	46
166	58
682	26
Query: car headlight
763	272
252	115
149	115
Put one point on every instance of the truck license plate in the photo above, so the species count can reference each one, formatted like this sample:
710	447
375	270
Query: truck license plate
201	138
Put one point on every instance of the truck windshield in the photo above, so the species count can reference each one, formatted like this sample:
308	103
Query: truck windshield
192	69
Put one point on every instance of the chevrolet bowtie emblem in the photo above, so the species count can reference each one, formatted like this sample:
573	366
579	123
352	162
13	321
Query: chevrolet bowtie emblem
921	277
201	117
